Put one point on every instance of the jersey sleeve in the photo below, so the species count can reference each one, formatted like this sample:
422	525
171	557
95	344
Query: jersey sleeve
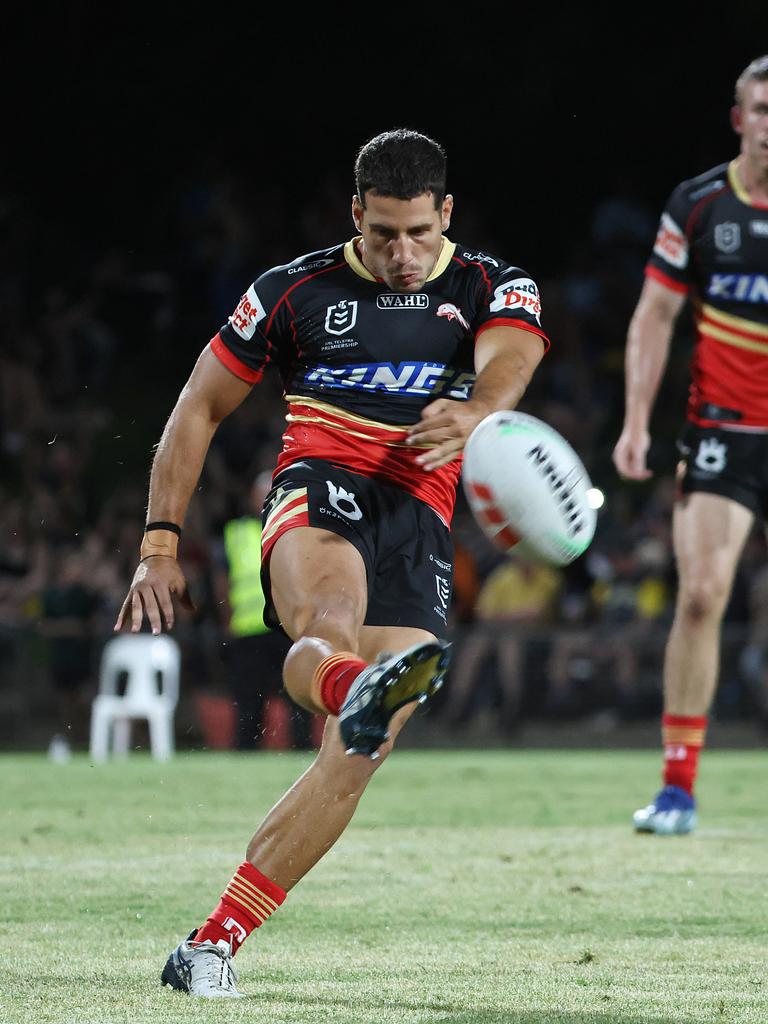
510	298
670	260
246	342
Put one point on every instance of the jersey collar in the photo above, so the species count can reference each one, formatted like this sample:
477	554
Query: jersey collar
350	255
734	180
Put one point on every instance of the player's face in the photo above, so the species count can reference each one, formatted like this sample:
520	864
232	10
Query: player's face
401	238
750	119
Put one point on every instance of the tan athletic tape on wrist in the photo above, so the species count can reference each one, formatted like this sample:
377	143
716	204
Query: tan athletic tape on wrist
159	542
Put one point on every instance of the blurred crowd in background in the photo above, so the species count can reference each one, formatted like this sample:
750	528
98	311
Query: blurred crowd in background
98	339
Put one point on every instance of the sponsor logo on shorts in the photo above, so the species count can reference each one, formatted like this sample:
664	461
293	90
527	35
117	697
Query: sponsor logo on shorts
248	314
711	456
480	257
518	295
443	590
416	378
671	244
393	300
758	228
739	287
451	312
727	236
341	317
309	266
343	501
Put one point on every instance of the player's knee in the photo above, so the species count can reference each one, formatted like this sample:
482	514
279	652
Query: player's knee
702	602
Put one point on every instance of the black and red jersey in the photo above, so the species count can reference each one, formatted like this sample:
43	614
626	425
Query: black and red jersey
713	244
359	362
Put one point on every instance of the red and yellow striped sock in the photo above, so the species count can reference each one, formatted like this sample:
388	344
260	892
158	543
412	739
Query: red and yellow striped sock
333	678
683	738
246	903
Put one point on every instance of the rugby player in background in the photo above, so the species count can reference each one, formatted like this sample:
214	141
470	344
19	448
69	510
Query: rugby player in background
712	244
392	347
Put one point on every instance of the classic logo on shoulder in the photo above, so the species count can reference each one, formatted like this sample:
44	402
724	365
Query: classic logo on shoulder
309	266
480	257
671	244
711	186
248	314
341	317
518	295
451	312
727	236
394	300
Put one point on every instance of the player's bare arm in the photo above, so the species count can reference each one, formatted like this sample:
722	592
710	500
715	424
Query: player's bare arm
210	394
648	338
505	360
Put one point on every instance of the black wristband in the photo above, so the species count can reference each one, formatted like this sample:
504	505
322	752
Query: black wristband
163	526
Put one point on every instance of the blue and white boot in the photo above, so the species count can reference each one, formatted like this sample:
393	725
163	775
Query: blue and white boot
672	813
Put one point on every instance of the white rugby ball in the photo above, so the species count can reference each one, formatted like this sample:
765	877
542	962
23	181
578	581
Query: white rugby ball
526	485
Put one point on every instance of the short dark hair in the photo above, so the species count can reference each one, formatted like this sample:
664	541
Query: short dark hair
757	71
401	163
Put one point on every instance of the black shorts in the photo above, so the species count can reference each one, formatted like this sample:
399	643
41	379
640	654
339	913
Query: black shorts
406	547
732	463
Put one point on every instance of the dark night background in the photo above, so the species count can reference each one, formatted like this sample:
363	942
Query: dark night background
157	160
121	123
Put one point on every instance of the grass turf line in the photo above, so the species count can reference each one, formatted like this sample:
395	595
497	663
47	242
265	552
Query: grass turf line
498	886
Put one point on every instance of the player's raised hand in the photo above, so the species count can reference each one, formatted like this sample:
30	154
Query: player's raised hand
630	453
155	581
445	426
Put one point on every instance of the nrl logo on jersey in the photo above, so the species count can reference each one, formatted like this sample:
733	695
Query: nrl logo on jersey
727	236
394	300
341	317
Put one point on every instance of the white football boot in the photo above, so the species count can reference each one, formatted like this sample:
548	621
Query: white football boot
202	969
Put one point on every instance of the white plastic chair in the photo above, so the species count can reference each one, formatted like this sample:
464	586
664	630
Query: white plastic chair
152	665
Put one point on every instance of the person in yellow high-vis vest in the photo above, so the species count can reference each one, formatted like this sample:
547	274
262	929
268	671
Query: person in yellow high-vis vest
254	652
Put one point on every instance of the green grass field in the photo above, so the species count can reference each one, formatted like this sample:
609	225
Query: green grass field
475	886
